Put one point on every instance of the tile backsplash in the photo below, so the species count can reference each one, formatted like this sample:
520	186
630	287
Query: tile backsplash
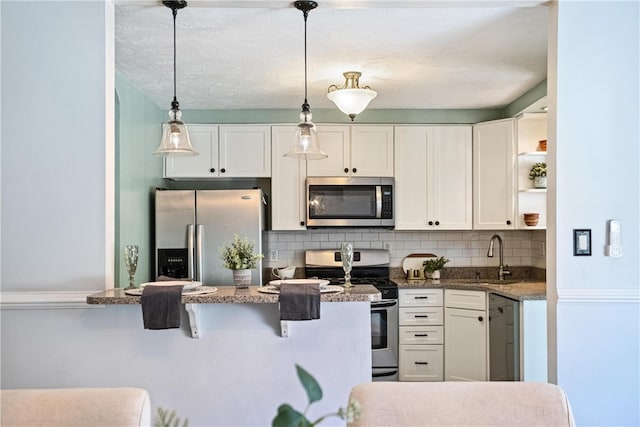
463	248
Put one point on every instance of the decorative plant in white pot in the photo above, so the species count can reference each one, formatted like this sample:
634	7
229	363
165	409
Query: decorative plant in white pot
432	267
289	417
538	174
240	257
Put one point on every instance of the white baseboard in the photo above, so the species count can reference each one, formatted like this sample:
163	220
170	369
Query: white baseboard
45	300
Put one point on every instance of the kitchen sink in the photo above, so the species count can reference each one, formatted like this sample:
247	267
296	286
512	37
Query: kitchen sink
504	282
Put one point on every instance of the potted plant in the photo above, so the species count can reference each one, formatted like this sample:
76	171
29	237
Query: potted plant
538	174
289	417
432	267
240	258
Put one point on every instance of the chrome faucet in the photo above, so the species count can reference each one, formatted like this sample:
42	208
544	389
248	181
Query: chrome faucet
504	269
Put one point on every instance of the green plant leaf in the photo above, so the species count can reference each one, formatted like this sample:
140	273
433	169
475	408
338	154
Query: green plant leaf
314	392
289	417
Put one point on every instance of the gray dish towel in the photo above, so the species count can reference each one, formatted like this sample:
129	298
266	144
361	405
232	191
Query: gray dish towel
161	306
299	301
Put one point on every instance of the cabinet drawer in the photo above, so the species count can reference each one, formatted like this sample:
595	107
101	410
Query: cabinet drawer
420	297
470	300
421	363
421	335
420	316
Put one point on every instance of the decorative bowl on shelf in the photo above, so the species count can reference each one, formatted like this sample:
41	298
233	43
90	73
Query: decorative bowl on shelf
531	218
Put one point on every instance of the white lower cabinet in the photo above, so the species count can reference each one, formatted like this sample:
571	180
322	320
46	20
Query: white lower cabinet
465	335
421	335
420	362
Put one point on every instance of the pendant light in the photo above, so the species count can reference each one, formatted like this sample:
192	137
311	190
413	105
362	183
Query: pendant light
351	99
175	136
305	141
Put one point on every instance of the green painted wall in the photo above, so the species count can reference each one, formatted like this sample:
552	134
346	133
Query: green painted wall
138	172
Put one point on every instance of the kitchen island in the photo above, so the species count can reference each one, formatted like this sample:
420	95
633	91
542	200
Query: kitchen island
239	359
232	295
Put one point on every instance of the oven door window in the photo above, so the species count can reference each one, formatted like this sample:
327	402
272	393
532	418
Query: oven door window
379	334
342	202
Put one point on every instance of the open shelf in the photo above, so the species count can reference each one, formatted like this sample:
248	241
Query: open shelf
533	190
533	153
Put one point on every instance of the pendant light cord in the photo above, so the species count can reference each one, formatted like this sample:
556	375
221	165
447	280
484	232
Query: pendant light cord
305	106
174	104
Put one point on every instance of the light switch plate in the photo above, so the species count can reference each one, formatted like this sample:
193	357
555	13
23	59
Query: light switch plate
582	242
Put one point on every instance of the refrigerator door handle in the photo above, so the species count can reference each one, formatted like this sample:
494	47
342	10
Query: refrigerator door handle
199	253
190	251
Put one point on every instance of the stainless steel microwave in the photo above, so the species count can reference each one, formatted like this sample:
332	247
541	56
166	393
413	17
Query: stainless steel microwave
350	202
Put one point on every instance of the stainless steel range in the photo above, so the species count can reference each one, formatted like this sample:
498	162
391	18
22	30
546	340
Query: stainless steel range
370	266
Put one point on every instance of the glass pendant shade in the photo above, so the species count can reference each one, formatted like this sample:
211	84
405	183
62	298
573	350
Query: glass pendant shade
305	141
175	137
351	99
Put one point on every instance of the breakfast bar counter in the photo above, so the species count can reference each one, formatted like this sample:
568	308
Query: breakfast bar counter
233	295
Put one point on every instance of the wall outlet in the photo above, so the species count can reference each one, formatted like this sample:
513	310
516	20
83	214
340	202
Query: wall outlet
387	246
273	255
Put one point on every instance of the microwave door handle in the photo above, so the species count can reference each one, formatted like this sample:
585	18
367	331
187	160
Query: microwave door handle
199	253
378	201
190	251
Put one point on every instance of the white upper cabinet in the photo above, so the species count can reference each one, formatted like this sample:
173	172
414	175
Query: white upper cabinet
354	150
245	151
288	199
225	151
335	141
493	175
371	150
433	176
204	139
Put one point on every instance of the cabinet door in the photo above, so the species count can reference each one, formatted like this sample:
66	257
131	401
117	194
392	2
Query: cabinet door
410	158
204	139
420	363
245	151
493	176
465	338
372	150
449	176
334	140
288	202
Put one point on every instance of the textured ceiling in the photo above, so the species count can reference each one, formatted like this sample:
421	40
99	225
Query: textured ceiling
415	54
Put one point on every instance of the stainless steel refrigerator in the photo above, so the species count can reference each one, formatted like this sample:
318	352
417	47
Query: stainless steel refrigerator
191	226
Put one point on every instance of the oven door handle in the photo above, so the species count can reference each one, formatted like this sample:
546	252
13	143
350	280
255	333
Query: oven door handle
383	303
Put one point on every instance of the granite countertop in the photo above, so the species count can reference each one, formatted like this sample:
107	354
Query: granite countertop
229	294
520	290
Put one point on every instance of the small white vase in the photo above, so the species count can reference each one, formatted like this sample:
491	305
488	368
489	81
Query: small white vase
241	278
540	182
432	274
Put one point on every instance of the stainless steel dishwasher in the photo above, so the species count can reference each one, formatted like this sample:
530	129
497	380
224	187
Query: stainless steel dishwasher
504	338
